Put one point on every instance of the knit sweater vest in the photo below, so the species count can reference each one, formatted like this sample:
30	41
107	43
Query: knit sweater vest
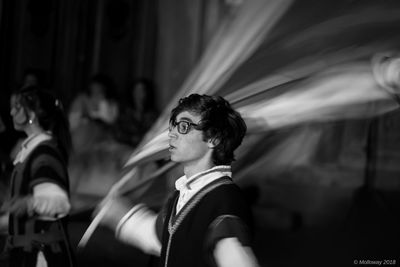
26	175
185	235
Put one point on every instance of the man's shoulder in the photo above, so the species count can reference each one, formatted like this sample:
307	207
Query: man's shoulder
226	190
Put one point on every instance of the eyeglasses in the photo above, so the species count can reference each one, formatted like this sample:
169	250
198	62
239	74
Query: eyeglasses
183	126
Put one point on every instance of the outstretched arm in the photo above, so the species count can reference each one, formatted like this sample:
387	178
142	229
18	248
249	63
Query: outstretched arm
229	240
133	225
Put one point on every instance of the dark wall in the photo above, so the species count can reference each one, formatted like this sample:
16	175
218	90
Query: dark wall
125	40
70	40
184	29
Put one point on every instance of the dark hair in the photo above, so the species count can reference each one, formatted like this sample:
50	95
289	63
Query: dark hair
108	85
49	112
149	89
39	75
219	122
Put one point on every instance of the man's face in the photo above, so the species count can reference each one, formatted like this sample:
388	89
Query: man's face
188	148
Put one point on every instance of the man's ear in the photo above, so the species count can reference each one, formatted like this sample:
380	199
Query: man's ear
213	142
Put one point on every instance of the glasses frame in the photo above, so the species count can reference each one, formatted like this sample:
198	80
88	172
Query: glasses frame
177	124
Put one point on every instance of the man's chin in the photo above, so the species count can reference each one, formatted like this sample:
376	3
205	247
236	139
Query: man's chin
174	159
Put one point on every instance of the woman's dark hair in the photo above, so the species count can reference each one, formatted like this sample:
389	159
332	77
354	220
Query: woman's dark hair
149	89
49	112
38	74
108	85
219	122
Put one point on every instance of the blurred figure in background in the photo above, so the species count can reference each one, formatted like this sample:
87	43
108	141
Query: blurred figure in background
39	203
97	157
3	154
4	163
96	103
33	76
138	113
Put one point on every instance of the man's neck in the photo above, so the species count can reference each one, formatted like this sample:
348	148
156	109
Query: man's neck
191	170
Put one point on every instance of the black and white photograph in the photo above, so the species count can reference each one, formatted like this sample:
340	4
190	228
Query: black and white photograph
199	133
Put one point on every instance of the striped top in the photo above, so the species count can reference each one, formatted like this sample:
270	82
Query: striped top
41	164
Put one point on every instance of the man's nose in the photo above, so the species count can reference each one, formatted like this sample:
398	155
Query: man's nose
172	132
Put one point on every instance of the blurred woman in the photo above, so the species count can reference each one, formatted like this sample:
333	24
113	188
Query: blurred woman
39	191
139	113
97	103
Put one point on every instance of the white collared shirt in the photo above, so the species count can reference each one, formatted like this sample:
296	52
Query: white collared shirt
188	187
29	144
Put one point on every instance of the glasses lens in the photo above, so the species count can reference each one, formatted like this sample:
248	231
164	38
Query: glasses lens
183	127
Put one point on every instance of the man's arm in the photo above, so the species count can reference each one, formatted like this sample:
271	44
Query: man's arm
138	227
229	252
133	225
229	239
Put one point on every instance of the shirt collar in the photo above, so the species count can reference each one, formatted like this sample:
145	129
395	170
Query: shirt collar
29	144
207	176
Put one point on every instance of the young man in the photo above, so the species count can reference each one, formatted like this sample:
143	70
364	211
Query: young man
206	222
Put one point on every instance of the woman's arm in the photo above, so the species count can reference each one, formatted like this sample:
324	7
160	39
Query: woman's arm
50	201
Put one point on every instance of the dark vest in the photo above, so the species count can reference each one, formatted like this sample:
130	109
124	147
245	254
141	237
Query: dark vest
184	236
30	232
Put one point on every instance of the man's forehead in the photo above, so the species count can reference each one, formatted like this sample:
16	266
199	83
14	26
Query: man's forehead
188	116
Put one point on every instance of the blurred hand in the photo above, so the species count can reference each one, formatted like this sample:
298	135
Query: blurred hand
4	223
19	207
46	207
115	208
51	207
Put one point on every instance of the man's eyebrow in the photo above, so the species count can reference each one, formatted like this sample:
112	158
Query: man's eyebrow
186	119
